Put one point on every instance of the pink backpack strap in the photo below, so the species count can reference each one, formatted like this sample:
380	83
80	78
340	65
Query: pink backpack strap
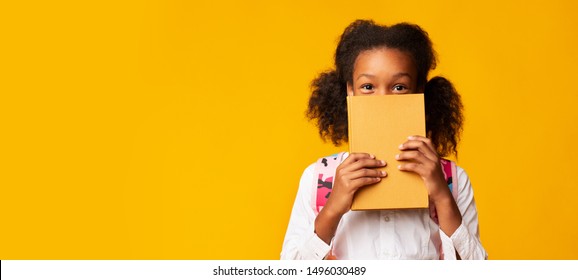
325	172
450	174
325	168
451	177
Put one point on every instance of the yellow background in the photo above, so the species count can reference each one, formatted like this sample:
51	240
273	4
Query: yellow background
175	129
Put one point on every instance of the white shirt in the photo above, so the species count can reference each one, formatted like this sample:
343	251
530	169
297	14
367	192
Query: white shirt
383	234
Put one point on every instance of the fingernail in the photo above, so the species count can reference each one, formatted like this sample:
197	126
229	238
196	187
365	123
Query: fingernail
397	156
383	173
382	162
372	156
411	137
399	167
401	146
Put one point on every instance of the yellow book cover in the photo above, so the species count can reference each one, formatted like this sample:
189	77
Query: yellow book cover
378	125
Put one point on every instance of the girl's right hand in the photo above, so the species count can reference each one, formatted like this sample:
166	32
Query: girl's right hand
356	171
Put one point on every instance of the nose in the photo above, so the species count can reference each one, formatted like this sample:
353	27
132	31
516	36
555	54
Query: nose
381	91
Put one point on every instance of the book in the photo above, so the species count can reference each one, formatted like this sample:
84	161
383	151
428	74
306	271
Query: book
378	125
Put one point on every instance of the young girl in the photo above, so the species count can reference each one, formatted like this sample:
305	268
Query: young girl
376	60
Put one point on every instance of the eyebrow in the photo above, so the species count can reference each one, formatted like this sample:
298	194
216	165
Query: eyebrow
396	76
402	74
365	75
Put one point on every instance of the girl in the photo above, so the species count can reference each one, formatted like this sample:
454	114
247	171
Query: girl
373	59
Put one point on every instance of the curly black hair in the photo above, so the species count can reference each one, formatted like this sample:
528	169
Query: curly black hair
328	105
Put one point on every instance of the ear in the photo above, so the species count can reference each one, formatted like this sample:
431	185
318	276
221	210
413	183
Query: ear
349	89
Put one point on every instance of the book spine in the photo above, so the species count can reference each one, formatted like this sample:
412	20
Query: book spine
349	124
349	115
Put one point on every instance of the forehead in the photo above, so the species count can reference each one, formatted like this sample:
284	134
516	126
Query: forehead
384	61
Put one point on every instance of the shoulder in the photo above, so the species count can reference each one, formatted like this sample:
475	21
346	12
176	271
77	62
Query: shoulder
332	161
309	171
463	178
324	165
465	190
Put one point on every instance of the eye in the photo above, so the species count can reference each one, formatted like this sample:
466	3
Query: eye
400	88
367	87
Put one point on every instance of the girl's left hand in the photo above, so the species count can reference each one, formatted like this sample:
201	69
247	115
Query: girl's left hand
420	157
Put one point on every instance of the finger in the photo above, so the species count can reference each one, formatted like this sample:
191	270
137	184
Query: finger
412	167
353	157
364	181
366	172
426	140
421	146
414	155
364	163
